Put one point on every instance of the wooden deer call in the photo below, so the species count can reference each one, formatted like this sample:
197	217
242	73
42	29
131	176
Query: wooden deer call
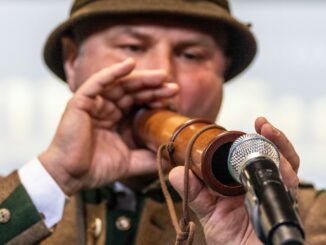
209	152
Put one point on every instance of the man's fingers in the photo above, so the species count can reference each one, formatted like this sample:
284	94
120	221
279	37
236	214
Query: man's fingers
163	103
149	82
114	90
200	199
97	83
166	91
104	113
264	128
142	163
153	97
138	80
289	175
125	102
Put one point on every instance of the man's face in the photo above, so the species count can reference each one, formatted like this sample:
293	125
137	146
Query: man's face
191	57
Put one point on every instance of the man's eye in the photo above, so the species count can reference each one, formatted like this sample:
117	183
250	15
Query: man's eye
192	56
132	48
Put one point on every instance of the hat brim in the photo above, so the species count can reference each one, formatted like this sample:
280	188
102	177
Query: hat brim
241	42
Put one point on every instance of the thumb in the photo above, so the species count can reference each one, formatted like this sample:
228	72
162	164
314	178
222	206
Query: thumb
201	201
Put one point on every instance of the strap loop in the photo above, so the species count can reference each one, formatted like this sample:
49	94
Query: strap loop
185	228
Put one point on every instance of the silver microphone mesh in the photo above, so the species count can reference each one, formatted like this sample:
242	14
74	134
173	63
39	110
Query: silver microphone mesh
248	147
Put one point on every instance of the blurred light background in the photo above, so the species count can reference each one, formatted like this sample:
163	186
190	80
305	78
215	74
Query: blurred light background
286	82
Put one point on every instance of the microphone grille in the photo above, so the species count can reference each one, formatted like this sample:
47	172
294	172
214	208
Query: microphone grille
247	147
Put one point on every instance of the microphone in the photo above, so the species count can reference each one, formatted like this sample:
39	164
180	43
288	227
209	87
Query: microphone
253	162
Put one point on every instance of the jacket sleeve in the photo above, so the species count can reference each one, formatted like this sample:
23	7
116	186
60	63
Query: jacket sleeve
20	222
312	207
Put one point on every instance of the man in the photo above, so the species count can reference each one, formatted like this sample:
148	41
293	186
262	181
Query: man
115	55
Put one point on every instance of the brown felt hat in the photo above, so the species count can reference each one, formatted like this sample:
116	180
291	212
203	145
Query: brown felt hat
241	42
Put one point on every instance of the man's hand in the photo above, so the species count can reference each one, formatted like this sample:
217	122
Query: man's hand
87	151
224	219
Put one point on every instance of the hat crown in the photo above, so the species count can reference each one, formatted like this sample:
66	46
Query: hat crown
78	4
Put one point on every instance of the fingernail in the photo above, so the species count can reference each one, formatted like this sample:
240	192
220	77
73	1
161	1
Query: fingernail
129	60
173	86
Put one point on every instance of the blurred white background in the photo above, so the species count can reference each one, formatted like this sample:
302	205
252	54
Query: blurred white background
286	82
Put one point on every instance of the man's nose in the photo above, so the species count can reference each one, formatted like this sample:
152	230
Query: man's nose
162	59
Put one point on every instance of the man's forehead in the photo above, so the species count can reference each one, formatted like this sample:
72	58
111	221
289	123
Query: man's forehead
152	33
140	24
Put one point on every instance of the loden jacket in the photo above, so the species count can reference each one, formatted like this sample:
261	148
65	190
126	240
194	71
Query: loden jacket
90	218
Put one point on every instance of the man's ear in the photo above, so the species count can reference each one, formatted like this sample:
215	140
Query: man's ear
69	55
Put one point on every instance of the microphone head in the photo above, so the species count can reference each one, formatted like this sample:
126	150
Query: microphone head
247	147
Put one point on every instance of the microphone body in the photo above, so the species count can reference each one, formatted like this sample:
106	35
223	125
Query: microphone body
253	162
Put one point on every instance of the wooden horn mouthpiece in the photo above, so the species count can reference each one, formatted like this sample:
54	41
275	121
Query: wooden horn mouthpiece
209	153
